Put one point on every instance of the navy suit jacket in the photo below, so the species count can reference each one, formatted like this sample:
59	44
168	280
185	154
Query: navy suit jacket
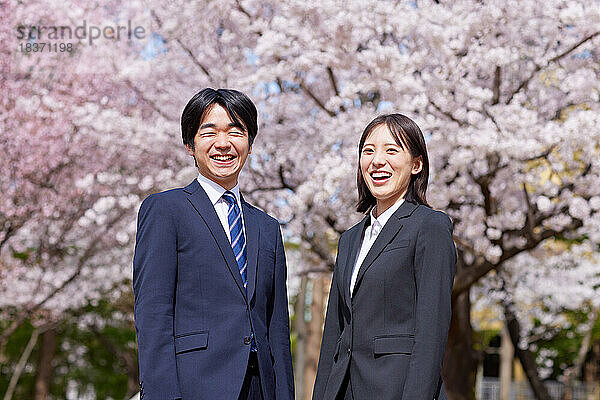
391	334
194	320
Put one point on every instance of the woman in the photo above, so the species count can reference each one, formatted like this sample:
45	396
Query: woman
389	305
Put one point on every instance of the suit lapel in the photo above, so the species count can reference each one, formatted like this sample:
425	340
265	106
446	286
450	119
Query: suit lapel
387	234
354	246
252	239
200	201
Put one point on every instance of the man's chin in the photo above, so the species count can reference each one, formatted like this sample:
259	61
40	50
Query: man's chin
227	180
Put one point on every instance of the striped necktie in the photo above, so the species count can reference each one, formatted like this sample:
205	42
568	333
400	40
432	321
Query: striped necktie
236	230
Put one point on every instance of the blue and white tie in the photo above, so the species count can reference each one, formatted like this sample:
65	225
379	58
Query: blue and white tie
236	230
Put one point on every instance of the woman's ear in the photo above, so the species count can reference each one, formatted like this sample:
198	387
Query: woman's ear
417	165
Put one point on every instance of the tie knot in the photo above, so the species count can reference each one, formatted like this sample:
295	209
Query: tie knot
229	197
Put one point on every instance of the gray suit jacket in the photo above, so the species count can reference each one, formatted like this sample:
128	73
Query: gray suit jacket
391	335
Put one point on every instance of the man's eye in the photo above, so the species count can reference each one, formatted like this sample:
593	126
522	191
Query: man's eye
392	151
204	134
236	133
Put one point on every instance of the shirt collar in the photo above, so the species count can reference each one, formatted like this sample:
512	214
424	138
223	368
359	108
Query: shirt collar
215	191
383	218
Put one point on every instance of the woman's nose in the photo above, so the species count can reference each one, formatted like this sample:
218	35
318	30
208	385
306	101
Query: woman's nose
378	158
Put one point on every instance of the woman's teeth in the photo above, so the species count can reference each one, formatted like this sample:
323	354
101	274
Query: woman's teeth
378	176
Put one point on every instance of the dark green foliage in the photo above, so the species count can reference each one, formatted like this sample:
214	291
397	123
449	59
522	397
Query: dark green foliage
89	354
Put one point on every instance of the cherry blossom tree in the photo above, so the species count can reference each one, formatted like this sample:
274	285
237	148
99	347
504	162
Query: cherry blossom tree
506	92
76	163
508	95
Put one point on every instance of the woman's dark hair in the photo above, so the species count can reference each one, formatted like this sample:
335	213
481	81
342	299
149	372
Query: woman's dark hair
408	136
237	104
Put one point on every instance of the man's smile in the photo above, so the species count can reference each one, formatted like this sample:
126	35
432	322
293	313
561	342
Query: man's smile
222	157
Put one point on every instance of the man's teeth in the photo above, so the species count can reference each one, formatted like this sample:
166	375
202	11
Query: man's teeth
223	158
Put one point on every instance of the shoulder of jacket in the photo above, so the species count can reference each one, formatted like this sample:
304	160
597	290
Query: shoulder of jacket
433	217
163	199
352	229
268	219
166	195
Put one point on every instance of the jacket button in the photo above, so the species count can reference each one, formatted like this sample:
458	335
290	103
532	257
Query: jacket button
349	351
247	340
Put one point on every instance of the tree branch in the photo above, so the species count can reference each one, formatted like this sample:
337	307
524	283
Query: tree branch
334	86
466	278
333	81
185	48
242	9
21	365
319	103
497	81
321	251
88	253
538	67
447	114
126	358
152	104
572	372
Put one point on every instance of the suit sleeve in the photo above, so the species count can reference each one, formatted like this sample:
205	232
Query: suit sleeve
435	263
279	328
154	281
331	334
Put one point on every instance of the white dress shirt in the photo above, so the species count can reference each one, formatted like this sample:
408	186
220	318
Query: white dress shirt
371	234
215	194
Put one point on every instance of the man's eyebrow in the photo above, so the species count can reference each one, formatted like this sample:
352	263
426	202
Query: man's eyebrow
231	125
237	125
207	126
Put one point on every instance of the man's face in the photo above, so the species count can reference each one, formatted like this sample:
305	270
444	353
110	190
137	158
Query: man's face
220	147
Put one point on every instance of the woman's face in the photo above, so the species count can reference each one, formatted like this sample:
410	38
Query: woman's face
386	167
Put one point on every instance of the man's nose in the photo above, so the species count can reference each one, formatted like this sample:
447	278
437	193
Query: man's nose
222	141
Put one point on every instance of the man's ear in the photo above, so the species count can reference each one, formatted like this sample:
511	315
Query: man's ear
190	150
417	165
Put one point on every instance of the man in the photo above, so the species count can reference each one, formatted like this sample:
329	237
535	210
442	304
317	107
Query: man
209	272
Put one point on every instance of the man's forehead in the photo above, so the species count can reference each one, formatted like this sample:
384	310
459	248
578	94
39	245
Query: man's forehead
209	116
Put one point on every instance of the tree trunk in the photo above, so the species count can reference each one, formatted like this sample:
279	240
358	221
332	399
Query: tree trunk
460	362
299	328
573	372
314	333
45	367
525	356
506	362
592	372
